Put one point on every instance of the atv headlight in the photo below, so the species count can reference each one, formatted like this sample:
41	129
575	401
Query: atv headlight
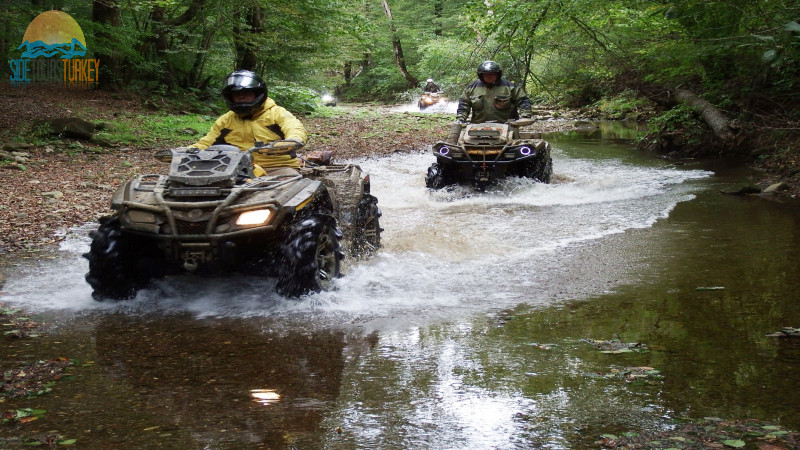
444	151
255	217
525	151
139	216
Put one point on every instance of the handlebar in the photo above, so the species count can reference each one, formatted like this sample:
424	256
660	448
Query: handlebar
274	148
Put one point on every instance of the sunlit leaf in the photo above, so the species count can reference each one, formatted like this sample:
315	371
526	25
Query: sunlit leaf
769	56
792	26
764	38
67	441
735	443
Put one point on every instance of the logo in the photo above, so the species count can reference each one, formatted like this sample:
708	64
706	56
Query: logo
50	47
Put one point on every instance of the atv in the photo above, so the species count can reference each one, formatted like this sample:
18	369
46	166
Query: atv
213	216
428	99
480	154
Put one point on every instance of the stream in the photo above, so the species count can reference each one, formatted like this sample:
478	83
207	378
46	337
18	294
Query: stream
472	328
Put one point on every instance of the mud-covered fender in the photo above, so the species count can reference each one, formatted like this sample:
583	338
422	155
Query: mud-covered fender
312	193
140	190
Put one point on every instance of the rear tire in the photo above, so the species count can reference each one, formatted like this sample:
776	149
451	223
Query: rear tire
119	264
367	238
310	256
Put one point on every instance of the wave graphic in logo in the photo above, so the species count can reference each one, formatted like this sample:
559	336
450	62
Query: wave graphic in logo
53	34
64	51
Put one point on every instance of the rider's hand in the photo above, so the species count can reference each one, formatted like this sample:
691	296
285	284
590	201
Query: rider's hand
288	143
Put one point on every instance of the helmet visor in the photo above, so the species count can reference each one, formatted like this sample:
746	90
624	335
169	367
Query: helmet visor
241	81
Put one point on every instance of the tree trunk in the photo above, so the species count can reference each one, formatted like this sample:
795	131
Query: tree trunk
438	8
246	56
200	58
398	48
723	128
106	14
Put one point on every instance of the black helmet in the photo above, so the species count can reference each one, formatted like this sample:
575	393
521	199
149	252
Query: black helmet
490	67
244	80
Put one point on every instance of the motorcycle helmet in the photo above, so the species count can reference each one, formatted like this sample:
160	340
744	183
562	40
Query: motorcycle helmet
490	67
244	80
430	80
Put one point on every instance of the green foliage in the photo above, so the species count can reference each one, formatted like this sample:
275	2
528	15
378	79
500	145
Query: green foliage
157	130
444	60
574	53
677	118
295	98
625	105
378	84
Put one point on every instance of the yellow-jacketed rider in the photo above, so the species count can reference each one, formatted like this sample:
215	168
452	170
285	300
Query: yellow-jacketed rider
253	116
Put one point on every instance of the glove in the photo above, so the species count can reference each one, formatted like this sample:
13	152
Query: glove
288	143
460	121
525	115
186	149
286	147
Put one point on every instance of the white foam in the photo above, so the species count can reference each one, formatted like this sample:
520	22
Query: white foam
442	250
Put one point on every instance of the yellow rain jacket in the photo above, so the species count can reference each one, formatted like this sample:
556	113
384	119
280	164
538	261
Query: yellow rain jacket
270	123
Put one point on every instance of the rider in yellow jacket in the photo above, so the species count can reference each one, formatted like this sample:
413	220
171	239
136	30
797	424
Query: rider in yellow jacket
254	117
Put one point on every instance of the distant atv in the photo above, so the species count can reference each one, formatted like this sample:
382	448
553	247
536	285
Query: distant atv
483	153
211	215
428	99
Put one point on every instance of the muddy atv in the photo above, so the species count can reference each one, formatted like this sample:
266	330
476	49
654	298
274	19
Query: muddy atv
482	153
428	99
212	216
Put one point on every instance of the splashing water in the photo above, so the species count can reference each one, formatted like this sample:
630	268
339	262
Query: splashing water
442	251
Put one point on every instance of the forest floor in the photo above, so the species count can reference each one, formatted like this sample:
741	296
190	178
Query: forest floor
63	183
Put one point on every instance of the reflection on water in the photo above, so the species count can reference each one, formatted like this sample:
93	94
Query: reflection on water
466	331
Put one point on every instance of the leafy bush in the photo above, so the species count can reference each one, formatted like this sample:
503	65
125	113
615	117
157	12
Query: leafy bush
297	99
625	105
376	84
678	118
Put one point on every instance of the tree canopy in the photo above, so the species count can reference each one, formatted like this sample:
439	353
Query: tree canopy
740	54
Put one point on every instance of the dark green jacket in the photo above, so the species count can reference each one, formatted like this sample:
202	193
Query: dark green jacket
500	103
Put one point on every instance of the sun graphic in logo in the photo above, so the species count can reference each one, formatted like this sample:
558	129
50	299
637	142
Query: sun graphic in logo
53	33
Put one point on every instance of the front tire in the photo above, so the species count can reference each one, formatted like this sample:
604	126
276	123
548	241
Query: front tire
310	257
119	264
439	176
541	170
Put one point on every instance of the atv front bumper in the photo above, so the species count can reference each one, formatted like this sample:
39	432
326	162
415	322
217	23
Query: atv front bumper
483	165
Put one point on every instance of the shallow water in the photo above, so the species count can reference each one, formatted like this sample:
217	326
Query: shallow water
463	332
